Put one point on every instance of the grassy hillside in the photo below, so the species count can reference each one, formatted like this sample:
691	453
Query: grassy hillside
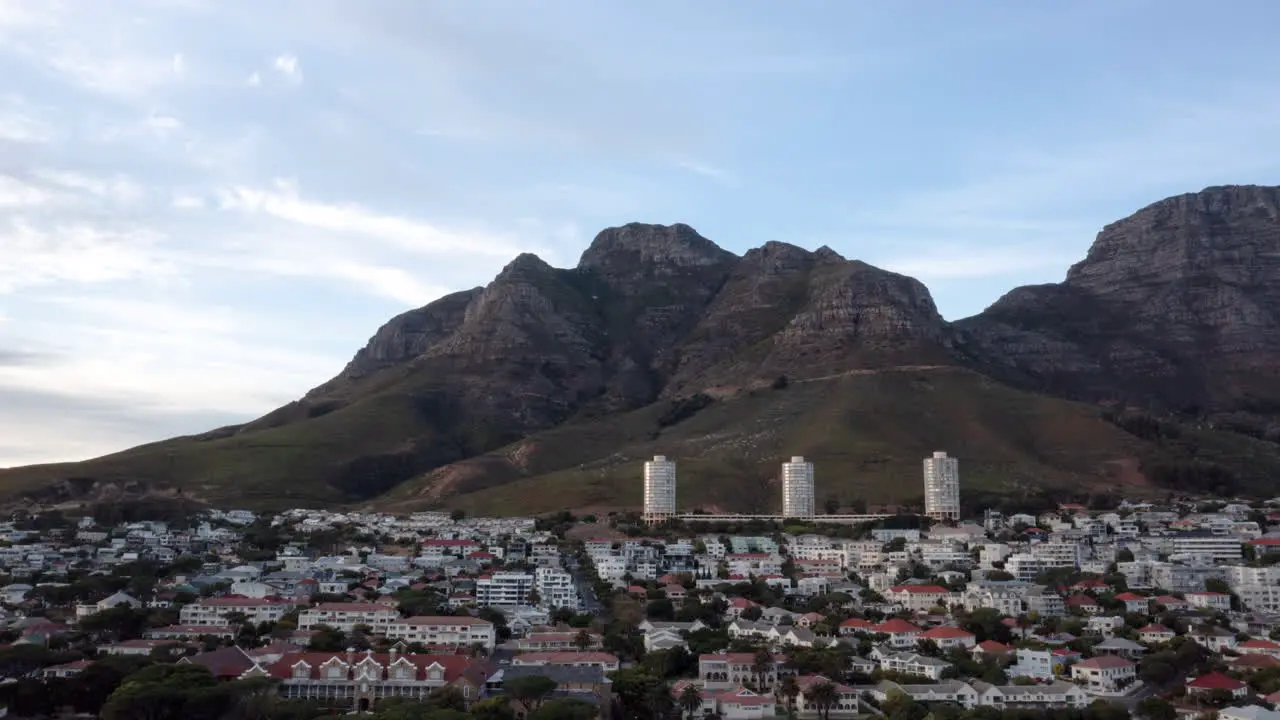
866	433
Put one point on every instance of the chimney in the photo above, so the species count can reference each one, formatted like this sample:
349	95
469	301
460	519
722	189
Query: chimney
392	658
351	658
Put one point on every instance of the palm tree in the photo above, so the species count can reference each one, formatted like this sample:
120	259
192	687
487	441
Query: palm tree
690	699
822	696
583	640
762	663
790	689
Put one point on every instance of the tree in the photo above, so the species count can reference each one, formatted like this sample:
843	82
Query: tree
831	505
457	515
529	690
790	689
761	665
635	687
583	640
533	598
1154	708
498	708
822	696
690	700
566	709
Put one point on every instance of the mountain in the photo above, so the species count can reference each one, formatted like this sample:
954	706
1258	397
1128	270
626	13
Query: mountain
547	388
1175	308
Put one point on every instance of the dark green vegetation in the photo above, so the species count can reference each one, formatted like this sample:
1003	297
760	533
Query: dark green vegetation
1154	367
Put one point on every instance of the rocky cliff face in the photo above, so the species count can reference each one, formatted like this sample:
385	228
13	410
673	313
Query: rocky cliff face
1175	307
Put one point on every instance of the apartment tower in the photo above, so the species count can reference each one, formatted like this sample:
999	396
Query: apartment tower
942	487
797	488
659	489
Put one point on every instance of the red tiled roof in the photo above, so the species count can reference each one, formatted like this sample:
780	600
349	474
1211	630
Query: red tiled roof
1258	644
991	646
895	626
946	633
857	623
1130	597
1155	628
1104	661
1215	681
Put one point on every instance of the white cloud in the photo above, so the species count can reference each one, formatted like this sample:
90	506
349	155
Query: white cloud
119	189
284	202
287	66
254	80
15	193
705	170
77	253
183	201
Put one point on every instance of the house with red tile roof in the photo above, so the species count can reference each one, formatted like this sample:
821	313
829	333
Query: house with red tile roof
1134	603
1105	674
362	677
902	634
846	697
920	597
1259	646
1206	684
1155	633
991	650
1083	603
950	637
855	625
1171	602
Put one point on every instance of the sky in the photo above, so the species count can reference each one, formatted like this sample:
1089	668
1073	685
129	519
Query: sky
206	206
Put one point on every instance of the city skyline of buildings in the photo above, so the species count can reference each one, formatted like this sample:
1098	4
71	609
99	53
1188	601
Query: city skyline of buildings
941	480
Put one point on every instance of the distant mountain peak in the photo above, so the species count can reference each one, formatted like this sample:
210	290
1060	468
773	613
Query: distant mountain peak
628	245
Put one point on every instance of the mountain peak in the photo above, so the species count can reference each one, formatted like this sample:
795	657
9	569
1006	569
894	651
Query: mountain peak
1230	233
676	246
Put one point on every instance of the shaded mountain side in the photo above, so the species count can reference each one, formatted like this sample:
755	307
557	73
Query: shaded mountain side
1175	308
866	433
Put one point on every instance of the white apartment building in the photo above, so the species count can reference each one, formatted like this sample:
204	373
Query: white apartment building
1005	598
797	488
1056	554
214	611
504	589
659	489
443	630
556	588
346	615
1209	601
942	487
1260	598
1245	575
1204	544
1023	566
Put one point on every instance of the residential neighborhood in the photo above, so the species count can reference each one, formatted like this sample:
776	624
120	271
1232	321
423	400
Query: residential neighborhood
1154	610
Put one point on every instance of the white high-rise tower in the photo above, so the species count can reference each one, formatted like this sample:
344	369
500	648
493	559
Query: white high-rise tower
797	488
942	487
659	489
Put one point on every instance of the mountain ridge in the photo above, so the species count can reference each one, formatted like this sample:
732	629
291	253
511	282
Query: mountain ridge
1171	311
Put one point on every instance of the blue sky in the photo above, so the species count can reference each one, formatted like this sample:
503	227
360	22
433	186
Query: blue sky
206	206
